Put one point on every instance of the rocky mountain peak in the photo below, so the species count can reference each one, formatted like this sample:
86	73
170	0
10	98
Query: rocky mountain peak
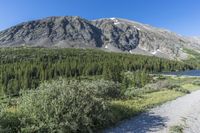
52	31
110	34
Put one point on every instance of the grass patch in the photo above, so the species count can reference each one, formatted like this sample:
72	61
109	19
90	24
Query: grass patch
168	89
126	108
186	83
191	87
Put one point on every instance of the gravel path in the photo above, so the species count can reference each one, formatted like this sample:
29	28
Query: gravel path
161	118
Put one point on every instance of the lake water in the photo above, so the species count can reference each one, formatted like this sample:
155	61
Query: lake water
185	73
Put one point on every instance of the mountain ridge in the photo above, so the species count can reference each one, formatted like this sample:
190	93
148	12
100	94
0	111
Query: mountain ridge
109	34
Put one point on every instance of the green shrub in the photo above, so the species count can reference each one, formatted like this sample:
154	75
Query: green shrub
177	129
178	88
9	123
104	89
131	92
182	90
196	82
62	106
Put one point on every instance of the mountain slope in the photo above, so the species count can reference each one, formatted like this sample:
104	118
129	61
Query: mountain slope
113	34
53	31
150	40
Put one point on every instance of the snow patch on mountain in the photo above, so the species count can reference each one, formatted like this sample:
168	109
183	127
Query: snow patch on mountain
156	51
116	22
137	28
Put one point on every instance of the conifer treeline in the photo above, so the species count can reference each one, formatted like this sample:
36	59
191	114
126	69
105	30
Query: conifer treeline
25	68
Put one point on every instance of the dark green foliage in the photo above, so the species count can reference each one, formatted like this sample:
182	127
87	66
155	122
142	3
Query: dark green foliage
103	89
9	123
196	82
137	79
63	106
26	68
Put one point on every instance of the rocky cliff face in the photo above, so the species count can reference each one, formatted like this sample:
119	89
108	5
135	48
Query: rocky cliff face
115	34
142	39
53	31
111	34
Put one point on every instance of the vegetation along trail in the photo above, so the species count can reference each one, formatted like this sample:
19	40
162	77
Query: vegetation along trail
181	114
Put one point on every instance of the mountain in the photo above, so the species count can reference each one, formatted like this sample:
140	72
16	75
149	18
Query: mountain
109	34
53	31
194	41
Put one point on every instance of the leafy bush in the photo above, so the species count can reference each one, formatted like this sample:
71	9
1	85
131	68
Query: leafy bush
148	88
9	122
182	90
104	89
62	106
196	82
162	84
153	87
130	92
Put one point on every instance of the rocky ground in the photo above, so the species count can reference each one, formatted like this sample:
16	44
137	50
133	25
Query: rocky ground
161	119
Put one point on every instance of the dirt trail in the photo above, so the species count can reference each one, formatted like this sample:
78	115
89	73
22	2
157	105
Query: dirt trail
162	118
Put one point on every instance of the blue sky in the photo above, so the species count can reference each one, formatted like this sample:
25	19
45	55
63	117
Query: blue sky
181	16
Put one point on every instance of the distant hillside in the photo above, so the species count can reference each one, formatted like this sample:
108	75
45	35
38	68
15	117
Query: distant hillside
110	34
